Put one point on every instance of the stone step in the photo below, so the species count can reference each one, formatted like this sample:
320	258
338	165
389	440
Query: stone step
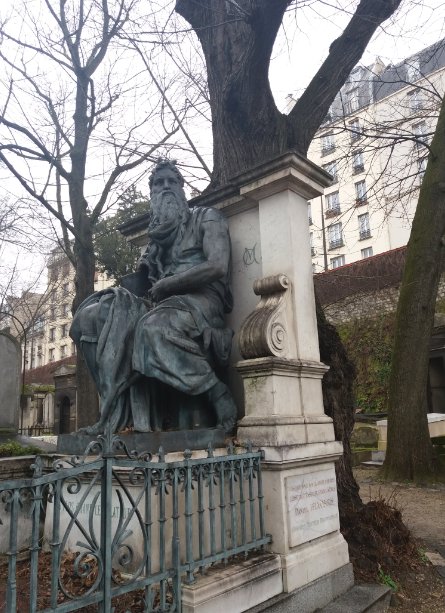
371	464
361	599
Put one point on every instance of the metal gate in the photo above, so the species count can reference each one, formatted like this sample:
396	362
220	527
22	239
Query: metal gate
114	527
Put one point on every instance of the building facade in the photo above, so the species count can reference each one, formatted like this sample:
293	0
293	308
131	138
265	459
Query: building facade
56	343
374	143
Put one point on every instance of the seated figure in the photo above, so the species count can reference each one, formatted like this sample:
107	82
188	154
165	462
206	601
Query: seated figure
173	338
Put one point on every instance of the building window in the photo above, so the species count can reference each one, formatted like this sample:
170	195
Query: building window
366	252
356	130
332	204
63	351
421	167
419	131
327	143
38	325
66	288
415	101
355	76
331	168
65	310
360	192
413	71
311	240
52	334
357	162
335	235
363	226
64	330
352	101
52	313
309	213
51	354
337	261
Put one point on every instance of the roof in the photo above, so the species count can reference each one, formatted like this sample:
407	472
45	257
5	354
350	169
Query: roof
368	275
371	85
44	375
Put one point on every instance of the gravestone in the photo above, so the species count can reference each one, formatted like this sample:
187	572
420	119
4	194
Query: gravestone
10	382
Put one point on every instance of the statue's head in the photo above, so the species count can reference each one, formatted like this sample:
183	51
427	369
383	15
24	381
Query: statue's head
167	195
165	169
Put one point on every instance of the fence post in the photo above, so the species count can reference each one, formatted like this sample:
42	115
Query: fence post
105	515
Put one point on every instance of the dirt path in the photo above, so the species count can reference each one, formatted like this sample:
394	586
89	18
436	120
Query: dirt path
423	508
423	511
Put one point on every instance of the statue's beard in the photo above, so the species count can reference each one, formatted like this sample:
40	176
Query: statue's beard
167	209
169	212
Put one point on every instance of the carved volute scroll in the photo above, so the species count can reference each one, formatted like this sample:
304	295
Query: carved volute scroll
265	331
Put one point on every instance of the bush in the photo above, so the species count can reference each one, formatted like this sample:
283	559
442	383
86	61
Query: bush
369	344
13	448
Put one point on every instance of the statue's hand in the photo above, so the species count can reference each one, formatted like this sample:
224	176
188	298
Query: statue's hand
161	289
142	263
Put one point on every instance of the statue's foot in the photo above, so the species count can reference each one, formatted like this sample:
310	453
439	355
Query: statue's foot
92	430
225	407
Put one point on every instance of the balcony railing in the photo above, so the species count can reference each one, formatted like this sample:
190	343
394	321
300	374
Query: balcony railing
335	244
327	150
365	234
332	212
361	201
357	169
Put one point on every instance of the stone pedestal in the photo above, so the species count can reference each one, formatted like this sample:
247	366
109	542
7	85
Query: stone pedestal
279	370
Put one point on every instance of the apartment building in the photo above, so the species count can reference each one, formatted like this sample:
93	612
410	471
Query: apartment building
41	321
56	342
374	143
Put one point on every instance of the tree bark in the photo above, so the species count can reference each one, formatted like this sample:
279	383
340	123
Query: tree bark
338	400
409	449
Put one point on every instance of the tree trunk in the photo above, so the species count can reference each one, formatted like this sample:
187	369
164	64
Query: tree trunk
237	47
409	449
338	400
87	399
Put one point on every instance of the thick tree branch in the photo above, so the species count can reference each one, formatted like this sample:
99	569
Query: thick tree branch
45	153
344	53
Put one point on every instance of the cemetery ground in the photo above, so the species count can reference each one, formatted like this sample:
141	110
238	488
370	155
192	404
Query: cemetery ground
417	575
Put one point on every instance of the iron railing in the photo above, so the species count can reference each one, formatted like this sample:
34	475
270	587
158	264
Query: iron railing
118	524
38	430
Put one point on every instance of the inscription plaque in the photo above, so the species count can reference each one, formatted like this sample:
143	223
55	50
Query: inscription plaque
312	506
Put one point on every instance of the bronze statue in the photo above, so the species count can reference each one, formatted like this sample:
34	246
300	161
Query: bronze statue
173	339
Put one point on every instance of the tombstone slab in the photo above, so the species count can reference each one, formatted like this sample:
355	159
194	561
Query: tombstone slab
10	383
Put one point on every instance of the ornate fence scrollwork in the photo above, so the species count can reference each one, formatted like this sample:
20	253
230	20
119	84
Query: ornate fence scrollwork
113	526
